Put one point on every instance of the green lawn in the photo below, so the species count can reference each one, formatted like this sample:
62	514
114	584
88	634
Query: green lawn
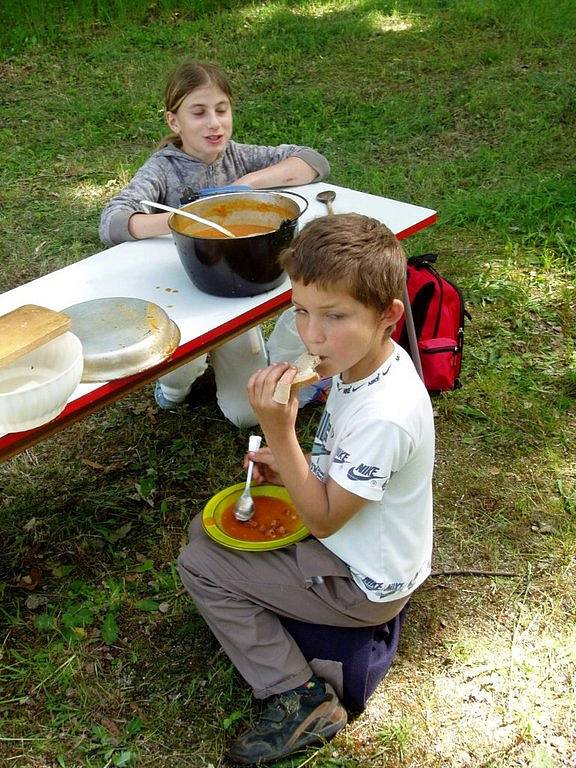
464	106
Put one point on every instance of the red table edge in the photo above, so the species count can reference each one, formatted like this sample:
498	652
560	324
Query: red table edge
15	442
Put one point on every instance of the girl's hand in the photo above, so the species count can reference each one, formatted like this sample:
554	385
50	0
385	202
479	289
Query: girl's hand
273	417
265	467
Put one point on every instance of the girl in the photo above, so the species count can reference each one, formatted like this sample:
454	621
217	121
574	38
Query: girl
197	154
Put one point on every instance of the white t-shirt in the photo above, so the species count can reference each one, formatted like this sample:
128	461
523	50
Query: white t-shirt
376	440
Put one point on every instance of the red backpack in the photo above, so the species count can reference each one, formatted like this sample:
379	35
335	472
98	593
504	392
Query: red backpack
438	312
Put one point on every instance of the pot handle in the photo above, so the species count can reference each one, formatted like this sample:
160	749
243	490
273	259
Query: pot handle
208	191
296	194
191	195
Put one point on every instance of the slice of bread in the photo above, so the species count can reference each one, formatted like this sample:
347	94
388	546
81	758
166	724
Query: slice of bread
306	365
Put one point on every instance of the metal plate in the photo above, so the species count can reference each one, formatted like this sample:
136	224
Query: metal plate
122	336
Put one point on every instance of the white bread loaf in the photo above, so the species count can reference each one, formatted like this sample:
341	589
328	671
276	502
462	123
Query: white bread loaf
306	365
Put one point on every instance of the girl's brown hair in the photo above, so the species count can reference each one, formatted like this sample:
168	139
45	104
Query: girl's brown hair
188	76
355	253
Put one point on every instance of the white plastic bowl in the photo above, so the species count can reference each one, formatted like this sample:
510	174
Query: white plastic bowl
35	388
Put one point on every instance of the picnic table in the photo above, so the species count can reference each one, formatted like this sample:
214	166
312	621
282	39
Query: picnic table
151	270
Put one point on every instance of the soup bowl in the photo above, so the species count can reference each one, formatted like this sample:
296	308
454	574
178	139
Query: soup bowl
220	524
264	223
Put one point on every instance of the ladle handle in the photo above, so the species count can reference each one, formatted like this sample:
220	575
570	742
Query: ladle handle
188	215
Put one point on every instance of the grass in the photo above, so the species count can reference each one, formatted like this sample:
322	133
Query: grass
466	107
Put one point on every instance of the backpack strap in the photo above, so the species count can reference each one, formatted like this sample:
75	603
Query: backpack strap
424	258
411	332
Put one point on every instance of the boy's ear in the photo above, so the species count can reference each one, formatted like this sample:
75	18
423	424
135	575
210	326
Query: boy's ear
392	313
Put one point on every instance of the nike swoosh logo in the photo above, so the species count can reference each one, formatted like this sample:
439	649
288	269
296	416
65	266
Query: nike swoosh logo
354	476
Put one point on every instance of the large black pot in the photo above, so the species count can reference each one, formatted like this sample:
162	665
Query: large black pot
240	266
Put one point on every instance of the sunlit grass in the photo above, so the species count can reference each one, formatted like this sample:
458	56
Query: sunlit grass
499	690
91	193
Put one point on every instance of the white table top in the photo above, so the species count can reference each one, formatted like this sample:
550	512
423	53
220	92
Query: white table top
151	269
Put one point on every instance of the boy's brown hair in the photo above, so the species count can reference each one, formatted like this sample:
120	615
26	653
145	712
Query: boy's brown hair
351	251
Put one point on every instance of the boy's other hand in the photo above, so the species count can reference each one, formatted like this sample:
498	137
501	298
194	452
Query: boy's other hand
265	467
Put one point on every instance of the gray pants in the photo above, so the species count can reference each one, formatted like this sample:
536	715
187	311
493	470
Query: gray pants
241	594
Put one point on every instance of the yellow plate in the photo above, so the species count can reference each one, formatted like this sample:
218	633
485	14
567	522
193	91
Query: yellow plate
212	518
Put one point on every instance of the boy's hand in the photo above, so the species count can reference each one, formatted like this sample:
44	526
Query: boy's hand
265	467
272	416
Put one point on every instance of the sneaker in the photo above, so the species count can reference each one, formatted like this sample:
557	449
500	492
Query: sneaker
291	721
163	402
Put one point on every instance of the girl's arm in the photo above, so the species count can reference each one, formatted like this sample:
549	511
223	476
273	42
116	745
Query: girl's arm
116	221
281	166
287	173
323	507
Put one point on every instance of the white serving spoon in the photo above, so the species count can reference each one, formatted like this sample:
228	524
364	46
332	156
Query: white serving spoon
244	507
188	215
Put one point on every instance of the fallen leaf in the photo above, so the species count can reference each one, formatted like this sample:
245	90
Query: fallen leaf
31	580
60	570
541	527
119	533
35	601
147	605
138	409
110	726
106	468
109	629
93	464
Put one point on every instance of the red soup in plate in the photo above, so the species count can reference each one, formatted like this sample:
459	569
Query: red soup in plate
273	519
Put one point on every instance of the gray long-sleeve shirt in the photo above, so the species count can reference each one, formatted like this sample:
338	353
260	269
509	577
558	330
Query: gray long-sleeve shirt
168	173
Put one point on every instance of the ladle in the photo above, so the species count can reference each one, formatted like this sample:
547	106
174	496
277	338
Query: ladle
188	215
327	197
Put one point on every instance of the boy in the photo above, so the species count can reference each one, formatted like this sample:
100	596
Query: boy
365	492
